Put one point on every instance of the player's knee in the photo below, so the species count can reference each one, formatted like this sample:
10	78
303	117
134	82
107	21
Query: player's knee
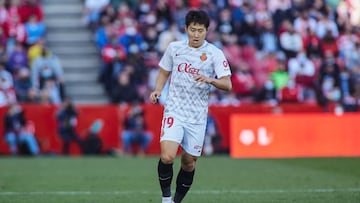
167	158
188	165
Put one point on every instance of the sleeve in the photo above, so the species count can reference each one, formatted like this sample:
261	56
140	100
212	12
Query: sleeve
221	64
166	61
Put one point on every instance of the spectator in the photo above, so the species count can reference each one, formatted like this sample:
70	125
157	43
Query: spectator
47	67
34	30
22	84
113	58
326	25
3	37
354	12
51	89
135	131
312	45
268	41
267	93
291	93
124	9
275	5
163	13
277	80
243	82
178	16
282	12
328	44
224	24
91	12
347	45
92	143
302	70
280	76
104	32
17	59
33	96
35	51
3	55
143	8
347	89
132	40
67	122
167	36
329	81
14	31
7	91
249	31
3	13
290	41
31	8
109	12
124	90
19	132
355	72
232	49
304	23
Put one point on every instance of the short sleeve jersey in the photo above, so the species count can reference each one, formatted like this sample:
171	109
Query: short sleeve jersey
187	99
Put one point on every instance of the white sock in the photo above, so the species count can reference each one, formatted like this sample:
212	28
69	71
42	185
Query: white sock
166	200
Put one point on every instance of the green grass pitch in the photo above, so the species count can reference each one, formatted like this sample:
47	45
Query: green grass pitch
218	179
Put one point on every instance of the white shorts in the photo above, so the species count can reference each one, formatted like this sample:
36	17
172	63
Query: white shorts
189	136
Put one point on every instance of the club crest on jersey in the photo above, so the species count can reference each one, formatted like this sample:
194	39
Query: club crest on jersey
203	57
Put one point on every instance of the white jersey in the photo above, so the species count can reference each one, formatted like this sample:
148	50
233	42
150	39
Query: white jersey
187	99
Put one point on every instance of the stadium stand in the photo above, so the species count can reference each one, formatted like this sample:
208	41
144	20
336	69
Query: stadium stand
256	35
130	37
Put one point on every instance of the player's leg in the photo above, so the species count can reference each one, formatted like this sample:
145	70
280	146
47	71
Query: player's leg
192	145
185	176
165	168
171	136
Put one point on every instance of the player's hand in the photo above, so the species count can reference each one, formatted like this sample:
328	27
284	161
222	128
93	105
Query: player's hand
154	97
201	78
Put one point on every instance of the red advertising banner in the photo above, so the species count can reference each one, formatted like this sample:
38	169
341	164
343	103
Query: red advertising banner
294	135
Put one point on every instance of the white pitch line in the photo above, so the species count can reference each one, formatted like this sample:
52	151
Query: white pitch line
201	192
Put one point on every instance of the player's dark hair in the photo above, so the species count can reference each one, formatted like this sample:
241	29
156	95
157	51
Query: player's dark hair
197	17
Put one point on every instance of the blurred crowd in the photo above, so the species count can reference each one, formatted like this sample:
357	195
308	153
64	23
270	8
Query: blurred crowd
305	51
29	71
297	51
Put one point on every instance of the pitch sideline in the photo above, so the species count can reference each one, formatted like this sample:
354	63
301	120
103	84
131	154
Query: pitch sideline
200	192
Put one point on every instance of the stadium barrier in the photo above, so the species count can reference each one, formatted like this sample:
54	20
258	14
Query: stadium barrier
44	119
43	116
294	135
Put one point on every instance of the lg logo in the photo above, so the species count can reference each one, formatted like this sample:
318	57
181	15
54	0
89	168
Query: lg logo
248	137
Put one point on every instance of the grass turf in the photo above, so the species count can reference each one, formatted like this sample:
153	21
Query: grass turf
218	179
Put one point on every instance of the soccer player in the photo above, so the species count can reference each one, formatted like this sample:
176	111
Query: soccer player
194	65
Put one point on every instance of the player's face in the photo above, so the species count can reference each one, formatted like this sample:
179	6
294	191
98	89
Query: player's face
196	34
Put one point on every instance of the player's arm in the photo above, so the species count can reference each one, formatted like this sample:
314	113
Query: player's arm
223	83
160	83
